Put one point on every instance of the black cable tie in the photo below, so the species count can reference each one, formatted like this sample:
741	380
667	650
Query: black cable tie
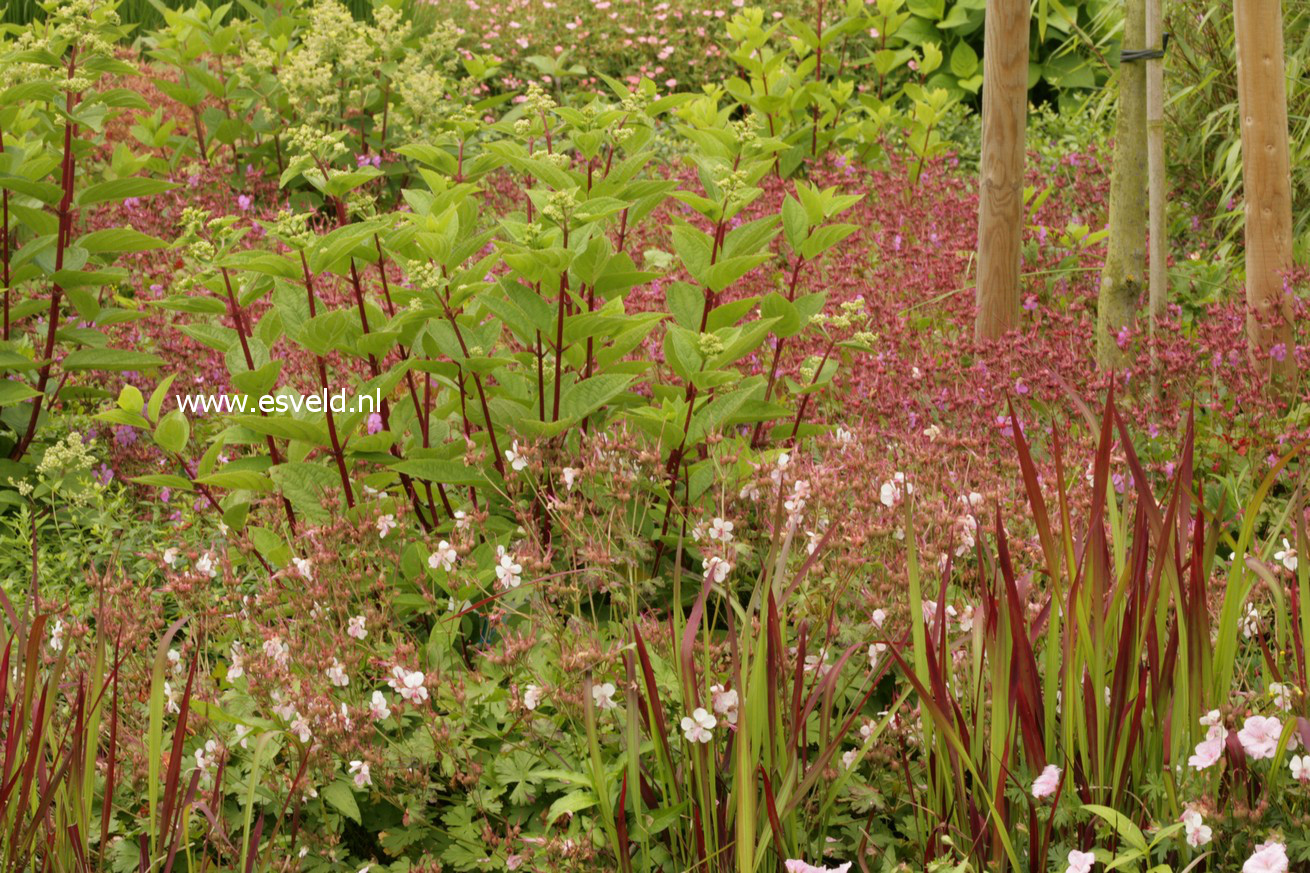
1145	54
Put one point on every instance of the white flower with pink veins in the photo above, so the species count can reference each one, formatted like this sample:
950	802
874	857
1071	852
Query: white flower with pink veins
699	726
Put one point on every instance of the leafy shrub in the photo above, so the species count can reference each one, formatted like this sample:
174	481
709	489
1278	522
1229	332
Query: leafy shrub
53	111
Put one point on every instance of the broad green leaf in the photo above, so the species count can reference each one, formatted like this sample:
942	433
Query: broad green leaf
110	359
121	189
173	431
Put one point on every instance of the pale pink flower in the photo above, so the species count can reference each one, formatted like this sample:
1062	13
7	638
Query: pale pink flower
378	707
1207	751
603	695
355	628
794	866
359	770
532	696
1080	862
1045	784
444	557
1269	857
1260	736
725	702
1197	831
337	674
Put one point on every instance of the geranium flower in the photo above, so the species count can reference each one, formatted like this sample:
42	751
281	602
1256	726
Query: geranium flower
725	702
794	866
716	569
355	628
336	674
507	571
1260	735
444	557
1300	766
721	530
408	685
1197	831
304	567
1080	862
532	696
1207	751
570	475
603	695
300	728
1269	857
516	460
1286	556
386	524
378	707
359	770
1045	784
699	726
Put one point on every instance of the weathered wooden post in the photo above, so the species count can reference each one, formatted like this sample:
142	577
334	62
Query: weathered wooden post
1266	182
1159	234
1124	273
1000	208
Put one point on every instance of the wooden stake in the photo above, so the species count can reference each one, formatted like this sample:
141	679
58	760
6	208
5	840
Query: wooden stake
1123	275
1159	248
1266	182
1000	208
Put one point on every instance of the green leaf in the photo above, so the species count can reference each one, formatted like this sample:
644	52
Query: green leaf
157	397
588	395
341	797
173	431
570	803
1131	834
12	392
686	303
964	60
119	239
110	359
443	472
130	399
121	189
283	427
237	480
304	485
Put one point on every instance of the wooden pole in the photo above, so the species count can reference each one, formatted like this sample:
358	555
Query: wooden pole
1123	276
1266	183
1159	247
1000	208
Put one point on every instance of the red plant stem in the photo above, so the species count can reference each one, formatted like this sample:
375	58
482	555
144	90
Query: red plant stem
4	232
541	379
323	383
818	79
250	365
559	336
419	409
777	350
482	394
800	413
56	292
